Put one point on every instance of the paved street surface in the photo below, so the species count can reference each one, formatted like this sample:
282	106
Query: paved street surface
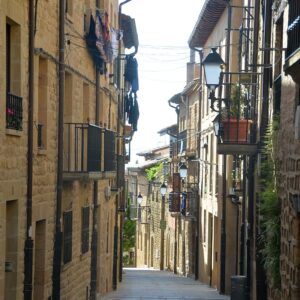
152	284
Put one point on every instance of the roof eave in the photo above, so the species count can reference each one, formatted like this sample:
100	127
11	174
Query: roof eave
208	17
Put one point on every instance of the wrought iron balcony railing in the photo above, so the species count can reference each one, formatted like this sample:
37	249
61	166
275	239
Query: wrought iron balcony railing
14	112
293	30
82	148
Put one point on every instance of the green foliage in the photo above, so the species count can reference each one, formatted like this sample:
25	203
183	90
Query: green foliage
154	172
128	231
129	235
270	208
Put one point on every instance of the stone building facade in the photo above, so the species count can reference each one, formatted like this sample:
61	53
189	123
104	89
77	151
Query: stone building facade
285	97
88	255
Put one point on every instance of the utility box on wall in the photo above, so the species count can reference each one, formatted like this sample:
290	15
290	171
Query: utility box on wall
238	287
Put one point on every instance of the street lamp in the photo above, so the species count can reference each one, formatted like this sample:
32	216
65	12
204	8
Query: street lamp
212	73
139	198
183	171
163	189
212	69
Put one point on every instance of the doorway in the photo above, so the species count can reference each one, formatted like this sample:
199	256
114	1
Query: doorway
39	260
11	250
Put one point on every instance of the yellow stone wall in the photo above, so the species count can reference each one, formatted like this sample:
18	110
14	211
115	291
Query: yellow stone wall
75	275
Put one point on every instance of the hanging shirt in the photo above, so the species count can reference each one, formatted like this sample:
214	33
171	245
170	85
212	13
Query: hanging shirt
131	72
91	40
100	39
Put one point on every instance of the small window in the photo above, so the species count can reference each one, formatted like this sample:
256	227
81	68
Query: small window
67	236
14	109
42	104
85	222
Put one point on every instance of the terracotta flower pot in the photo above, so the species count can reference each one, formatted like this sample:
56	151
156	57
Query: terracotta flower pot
236	131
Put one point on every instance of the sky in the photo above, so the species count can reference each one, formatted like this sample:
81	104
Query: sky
163	27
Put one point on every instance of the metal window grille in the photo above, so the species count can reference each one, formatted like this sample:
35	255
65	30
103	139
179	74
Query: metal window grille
293	30
14	112
67	236
85	219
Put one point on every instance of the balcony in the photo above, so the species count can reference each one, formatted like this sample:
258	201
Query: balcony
235	123
14	112
188	206
292	61
82	151
174	196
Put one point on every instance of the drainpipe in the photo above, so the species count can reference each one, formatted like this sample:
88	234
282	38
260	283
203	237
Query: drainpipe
224	183
28	250
198	217
94	241
60	141
176	217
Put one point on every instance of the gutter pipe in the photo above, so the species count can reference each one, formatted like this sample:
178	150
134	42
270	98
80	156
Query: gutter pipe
61	89
28	250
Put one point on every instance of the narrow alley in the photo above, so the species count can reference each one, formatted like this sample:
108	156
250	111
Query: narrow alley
154	284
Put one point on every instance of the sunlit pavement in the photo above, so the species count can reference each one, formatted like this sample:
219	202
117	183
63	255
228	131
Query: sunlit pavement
152	284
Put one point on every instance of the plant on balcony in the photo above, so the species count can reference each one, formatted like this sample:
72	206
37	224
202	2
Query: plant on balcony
235	116
270	209
12	120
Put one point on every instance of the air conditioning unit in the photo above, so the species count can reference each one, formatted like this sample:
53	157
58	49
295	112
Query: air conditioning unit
107	192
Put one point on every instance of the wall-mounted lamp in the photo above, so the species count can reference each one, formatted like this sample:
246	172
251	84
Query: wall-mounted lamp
183	171
163	189
212	72
139	198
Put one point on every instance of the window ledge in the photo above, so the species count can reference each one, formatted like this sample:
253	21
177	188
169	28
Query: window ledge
42	151
84	255
14	132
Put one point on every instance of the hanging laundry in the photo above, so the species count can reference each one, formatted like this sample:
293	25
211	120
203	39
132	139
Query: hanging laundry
131	72
183	203
100	42
91	39
114	42
134	114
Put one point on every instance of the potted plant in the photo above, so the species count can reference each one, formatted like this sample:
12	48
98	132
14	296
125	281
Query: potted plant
235	122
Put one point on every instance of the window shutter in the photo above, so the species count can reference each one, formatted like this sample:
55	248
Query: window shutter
67	236
85	229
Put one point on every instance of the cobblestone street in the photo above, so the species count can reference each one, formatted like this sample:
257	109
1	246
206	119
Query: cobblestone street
153	284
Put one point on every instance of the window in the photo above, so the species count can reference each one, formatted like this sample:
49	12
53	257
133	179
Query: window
85	222
67	236
42	104
14	110
107	233
211	162
86	97
68	107
277	95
